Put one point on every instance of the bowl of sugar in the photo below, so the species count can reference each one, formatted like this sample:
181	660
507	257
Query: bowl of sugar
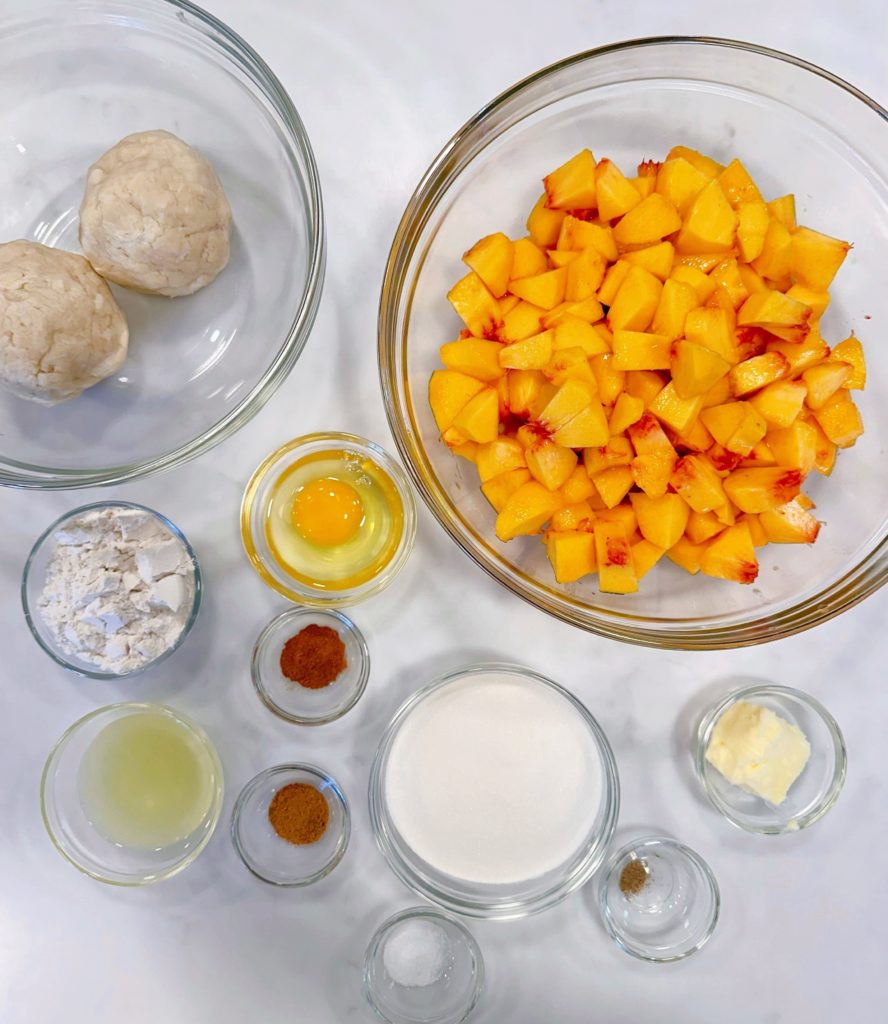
494	792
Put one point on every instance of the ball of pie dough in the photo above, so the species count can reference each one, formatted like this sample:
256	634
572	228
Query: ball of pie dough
154	216
60	329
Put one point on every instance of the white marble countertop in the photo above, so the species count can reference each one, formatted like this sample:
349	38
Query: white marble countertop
804	924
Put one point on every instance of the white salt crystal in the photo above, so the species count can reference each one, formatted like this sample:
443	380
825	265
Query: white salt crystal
416	953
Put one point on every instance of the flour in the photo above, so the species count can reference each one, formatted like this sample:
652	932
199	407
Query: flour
119	589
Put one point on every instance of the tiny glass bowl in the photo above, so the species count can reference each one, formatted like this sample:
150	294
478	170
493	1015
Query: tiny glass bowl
510	900
77	839
34	577
255	509
273	859
301	704
449	999
672	913
815	790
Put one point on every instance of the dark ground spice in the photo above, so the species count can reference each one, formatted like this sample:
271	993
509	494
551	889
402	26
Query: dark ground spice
314	657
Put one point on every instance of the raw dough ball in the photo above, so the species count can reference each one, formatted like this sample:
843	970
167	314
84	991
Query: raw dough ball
60	329
154	216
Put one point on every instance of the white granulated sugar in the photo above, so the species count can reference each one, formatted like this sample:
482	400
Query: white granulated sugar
494	779
416	954
118	589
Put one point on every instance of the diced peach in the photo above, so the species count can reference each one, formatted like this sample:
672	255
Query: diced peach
754	374
570	399
572	332
703	526
613	280
698	483
523	391
475	357
616	572
661	520
651	221
728	281
776	312
774	261
588	429
549	463
615	194
636	301
709	224
644	384
783	210
712	329
576	516
708	167
655	457
570	363
695	368
500	488
800	356
476	306
584	275
544	224
794	446
611	381
613	484
571	554
656	259
479	417
701	282
543	290
686	554
737	185
680	182
526	511
572	185
851	351
520	322
840	420
580	234
790	524
752	227
677	299
735	425
731	556
578	487
627	410
499	456
617	452
491	259
449	393
673	410
817	301
781	402
528	258
644	557
531	353
757	490
637	350
816	258
824	380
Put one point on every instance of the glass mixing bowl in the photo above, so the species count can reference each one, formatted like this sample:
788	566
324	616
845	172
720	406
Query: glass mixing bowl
75	77
797	128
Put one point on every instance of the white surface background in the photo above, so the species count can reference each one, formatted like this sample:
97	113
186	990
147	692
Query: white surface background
803	933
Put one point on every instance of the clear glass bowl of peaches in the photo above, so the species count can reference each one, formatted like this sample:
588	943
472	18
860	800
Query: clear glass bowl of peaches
624	338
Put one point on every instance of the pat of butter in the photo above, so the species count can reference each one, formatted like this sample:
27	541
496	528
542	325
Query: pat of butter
758	750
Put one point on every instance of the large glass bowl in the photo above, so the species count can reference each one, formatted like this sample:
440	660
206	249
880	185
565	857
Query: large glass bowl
75	77
797	128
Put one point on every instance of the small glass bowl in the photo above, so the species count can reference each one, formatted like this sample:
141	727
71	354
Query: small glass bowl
297	703
449	1000
254	509
262	850
815	790
34	577
673	914
506	901
74	835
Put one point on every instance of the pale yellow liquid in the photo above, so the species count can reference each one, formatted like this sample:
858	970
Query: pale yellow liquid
146	781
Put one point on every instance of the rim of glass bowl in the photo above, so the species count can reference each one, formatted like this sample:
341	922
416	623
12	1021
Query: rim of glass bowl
488	124
479	907
647	841
302	593
213	815
47	535
294	614
228	45
423	914
253	784
840	754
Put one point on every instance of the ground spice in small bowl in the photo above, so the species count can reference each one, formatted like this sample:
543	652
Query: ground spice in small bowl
314	657
633	877
299	813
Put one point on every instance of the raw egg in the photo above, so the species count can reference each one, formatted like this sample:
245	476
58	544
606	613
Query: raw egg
327	512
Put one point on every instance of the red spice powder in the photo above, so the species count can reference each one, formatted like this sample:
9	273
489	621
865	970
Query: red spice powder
314	657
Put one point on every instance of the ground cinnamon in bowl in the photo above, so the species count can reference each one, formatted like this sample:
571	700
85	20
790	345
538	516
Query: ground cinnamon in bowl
314	657
299	813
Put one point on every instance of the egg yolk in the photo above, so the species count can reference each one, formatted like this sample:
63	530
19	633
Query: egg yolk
327	512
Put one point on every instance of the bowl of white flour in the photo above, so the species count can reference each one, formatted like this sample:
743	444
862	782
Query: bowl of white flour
110	589
494	792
